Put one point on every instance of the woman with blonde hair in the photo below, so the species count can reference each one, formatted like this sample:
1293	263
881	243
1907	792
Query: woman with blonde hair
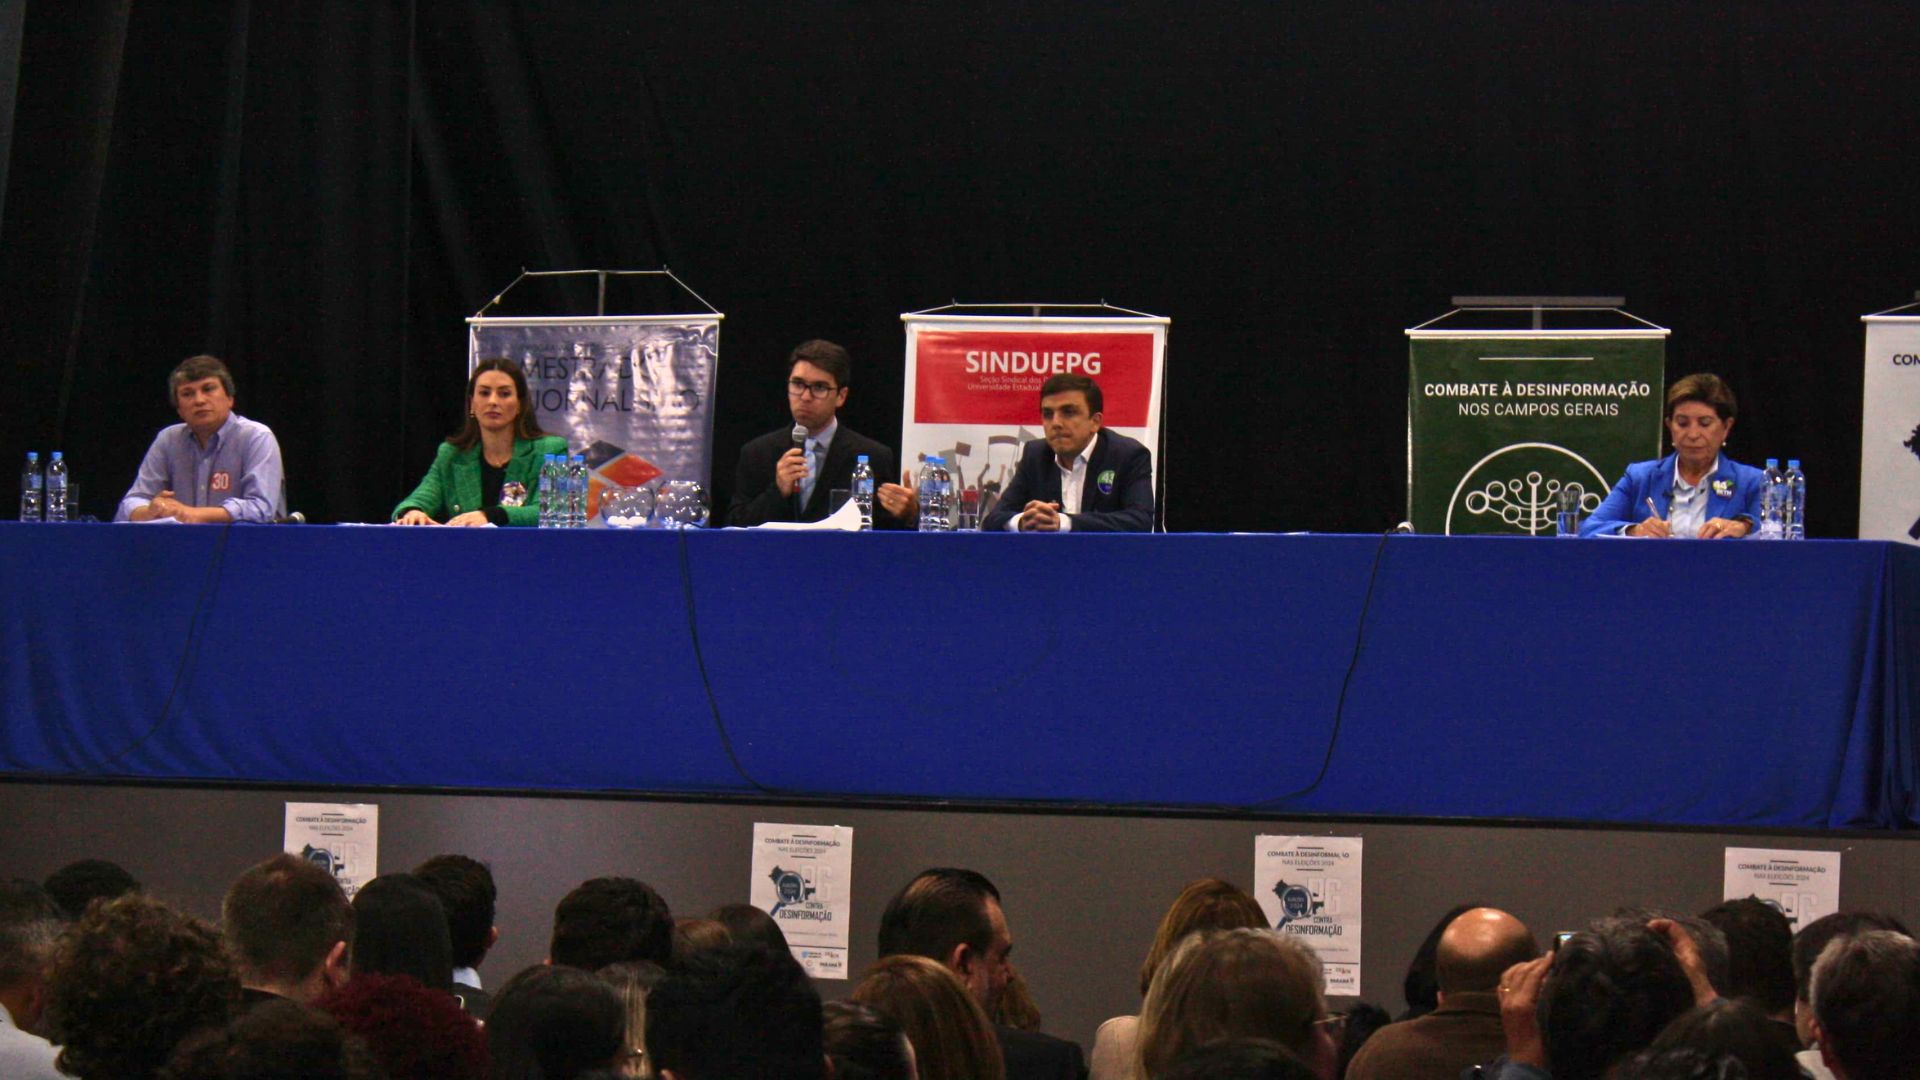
951	1037
1234	984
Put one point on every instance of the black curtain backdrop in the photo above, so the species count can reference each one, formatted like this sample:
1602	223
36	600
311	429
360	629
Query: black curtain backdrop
321	192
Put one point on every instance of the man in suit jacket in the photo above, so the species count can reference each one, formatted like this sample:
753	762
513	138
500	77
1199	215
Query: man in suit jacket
778	481
1081	477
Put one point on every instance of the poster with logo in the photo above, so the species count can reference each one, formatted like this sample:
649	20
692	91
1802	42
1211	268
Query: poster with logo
973	389
633	393
1309	887
1498	422
803	877
1890	429
1802	885
342	838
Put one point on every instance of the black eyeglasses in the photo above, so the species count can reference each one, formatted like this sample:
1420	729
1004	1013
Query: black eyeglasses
816	390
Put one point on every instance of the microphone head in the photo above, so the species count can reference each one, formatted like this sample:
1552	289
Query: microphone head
1405	527
799	434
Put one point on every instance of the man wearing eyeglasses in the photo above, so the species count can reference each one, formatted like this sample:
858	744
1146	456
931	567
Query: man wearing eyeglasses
778	481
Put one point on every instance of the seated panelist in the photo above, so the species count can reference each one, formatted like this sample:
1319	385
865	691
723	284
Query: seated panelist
215	466
488	473
1080	477
1694	492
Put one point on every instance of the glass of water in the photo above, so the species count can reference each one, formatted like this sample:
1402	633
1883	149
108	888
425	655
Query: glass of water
1566	518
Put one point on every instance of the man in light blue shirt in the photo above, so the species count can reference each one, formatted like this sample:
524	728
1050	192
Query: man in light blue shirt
216	466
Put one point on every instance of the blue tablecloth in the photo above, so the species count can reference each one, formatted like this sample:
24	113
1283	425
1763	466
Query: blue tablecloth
1721	684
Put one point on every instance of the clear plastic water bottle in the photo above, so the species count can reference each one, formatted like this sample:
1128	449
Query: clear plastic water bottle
1773	500
57	488
936	496
549	490
863	491
1796	511
30	488
577	492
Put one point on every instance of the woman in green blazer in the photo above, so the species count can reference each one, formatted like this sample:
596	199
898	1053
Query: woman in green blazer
489	473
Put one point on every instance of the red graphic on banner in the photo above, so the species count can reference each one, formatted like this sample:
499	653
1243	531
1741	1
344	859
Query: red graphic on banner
994	377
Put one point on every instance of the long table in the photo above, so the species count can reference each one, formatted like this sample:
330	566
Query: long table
1726	684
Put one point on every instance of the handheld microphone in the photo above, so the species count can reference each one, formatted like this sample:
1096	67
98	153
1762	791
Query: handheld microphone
800	444
295	518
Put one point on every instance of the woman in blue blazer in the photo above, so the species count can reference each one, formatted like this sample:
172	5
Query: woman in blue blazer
488	473
1696	491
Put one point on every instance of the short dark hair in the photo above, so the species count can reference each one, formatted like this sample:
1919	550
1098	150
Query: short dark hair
194	369
78	884
1732	1028
752	926
1610	991
1710	390
1067	384
1815	936
281	917
936	911
399	928
554	1023
466	889
609	920
1759	951
1866	999
864	1044
272	1041
736	1013
1708	941
29	923
1238	1059
826	356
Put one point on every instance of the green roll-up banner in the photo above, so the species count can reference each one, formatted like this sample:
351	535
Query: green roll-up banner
1499	421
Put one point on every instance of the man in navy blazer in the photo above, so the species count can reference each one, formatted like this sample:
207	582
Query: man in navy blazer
1080	477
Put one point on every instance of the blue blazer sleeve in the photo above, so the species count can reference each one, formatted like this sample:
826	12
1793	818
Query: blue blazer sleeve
1626	504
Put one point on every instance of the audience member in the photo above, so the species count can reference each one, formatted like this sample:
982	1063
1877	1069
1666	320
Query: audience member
286	924
1679	1064
1239	1059
1421	986
78	884
1475	949
751	925
862	1043
946	1025
1206	904
554	1023
954	917
1232	984
1707	942
1355	1029
611	920
735	1013
274	1040
1013	1007
467	892
414	1032
1759	960
633	982
694	935
1807	946
399	928
1731	1028
1866	1006
30	921
1605	993
129	981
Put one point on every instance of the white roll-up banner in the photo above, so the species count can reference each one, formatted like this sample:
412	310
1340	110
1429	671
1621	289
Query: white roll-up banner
1890	429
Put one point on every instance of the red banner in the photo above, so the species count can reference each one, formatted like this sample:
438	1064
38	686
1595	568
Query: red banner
994	377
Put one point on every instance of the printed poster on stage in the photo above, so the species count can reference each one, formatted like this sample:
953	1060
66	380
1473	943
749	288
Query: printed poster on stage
1309	887
1802	885
1889	430
342	838
634	394
803	877
973	389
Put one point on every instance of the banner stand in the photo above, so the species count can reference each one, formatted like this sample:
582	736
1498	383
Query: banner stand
972	386
1890	426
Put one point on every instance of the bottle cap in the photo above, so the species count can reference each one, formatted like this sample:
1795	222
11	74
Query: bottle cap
56	455
862	459
33	455
1773	463
1793	463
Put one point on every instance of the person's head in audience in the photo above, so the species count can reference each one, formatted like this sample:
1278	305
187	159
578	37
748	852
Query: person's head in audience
1866	1006
280	1040
1014	1007
467	892
1476	948
78	884
1238	1059
633	981
1807	946
953	917
865	1044
30	921
1420	987
399	928
129	980
554	1023
414	1032
1357	1025
1759	953
693	935
1609	992
951	1036
735	1013
1708	941
287	924
1206	904
752	926
1735	1028
611	920
1232	984
1681	1063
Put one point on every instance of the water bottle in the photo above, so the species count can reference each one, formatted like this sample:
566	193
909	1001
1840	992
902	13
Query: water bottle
1773	498
1796	511
57	488
936	496
548	488
30	488
863	491
577	492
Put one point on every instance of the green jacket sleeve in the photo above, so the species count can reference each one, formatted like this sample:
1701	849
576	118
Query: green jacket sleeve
431	496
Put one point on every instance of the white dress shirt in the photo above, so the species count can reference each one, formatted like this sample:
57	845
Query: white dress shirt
1073	482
